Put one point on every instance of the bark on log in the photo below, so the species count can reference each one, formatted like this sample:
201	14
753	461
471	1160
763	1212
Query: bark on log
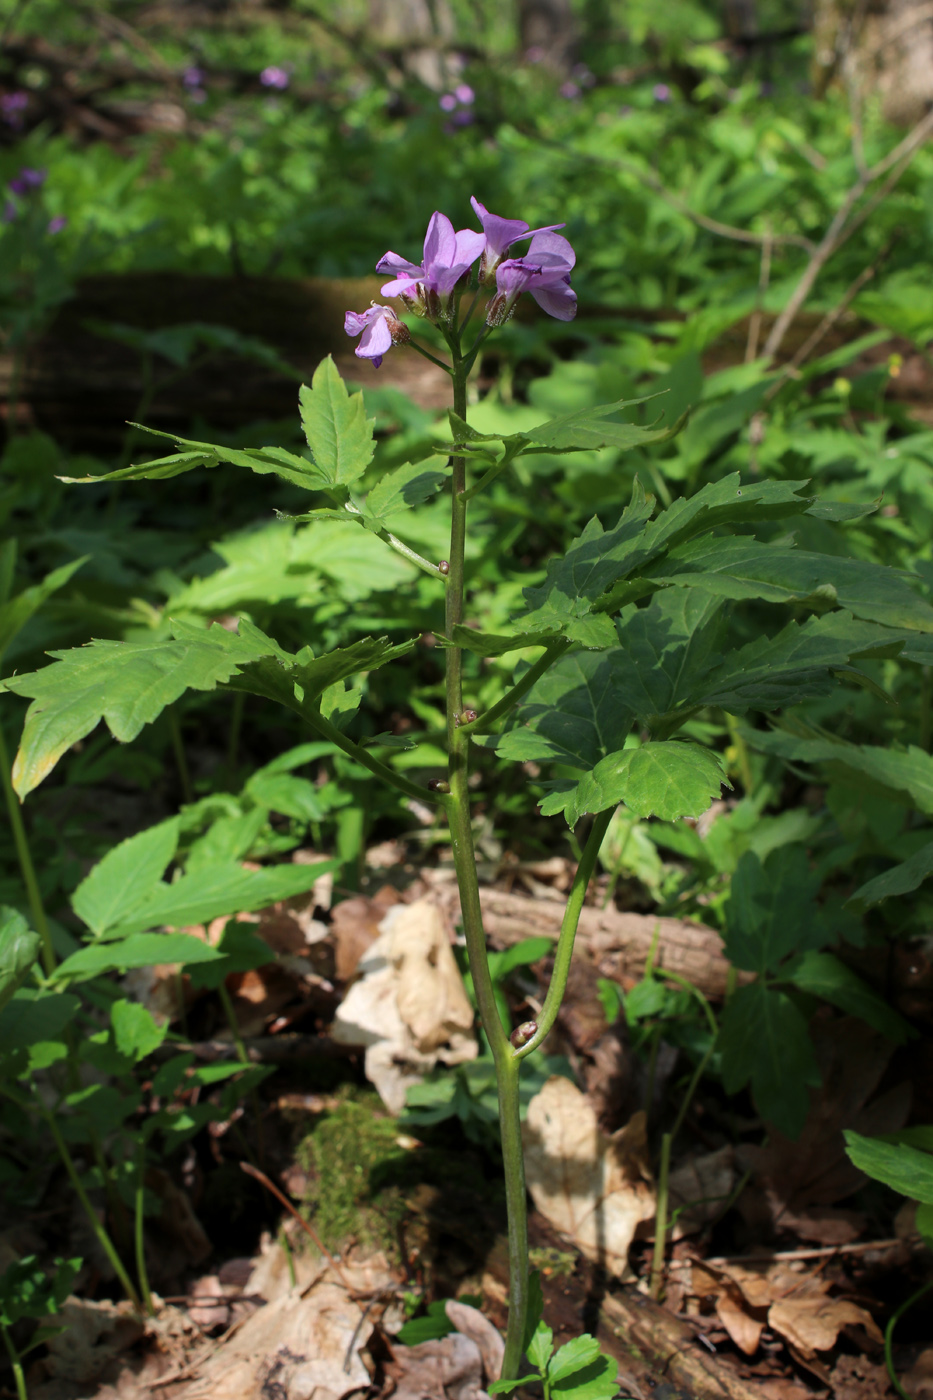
618	943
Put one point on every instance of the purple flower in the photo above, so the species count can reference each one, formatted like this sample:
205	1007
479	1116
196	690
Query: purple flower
544	272
465	94
57	224
274	77
12	106
381	329
500	234
448	102
447	256
193	77
661	92
27	180
569	90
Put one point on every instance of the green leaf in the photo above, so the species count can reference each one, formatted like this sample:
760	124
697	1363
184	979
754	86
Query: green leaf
283	792
541	1345
19	950
741	567
432	1327
904	1169
125	877
908	774
923	1222
900	879
32	1016
506	1387
575	713
161	469
16	612
241	951
572	1356
225	888
138	950
764	1039
403	488
586	430
336	427
489	644
772	910
126	683
823	975
667	779
135	1031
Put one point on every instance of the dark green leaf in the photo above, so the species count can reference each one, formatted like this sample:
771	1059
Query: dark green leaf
668	779
403	488
900	879
764	1039
772	910
823	975
19	950
32	1016
16	612
241	951
575	713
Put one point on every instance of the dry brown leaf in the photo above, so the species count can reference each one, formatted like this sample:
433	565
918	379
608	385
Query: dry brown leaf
858	1378
306	1343
355	928
593	1188
918	1381
744	1330
209	1306
698	1189
409	1007
811	1322
449	1369
471	1323
92	1335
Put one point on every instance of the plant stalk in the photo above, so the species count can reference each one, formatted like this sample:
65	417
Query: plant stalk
15	1363
26	866
457	805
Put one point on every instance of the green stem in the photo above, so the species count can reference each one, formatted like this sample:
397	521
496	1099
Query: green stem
568	932
184	776
49	960
660	1222
16	1364
322	726
485	723
413	344
103	1239
461	836
139	1231
244	1059
410	554
236	725
889	1337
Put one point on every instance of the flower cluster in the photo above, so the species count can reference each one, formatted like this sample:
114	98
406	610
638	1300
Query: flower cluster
430	287
24	185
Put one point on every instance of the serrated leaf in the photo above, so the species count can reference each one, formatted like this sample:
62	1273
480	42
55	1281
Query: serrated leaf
900	879
572	1356
541	1345
772	910
161	469
403	488
586	429
336	427
668	779
16	612
764	1039
741	567
220	889
491	644
138	950
823	975
19	950
904	1169
125	877
575	713
125	683
908	775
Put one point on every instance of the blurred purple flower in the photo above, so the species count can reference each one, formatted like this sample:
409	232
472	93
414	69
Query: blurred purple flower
10	213
569	90
661	92
28	179
448	102
57	224
447	256
465	94
461	118
193	77
380	328
544	272
274	77
500	234
534	54
12	106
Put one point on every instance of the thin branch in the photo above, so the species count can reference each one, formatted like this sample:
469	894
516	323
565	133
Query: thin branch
754	324
840	229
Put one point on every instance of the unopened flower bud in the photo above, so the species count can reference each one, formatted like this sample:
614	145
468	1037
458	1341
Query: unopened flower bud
443	567
499	310
523	1033
438	785
467	716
